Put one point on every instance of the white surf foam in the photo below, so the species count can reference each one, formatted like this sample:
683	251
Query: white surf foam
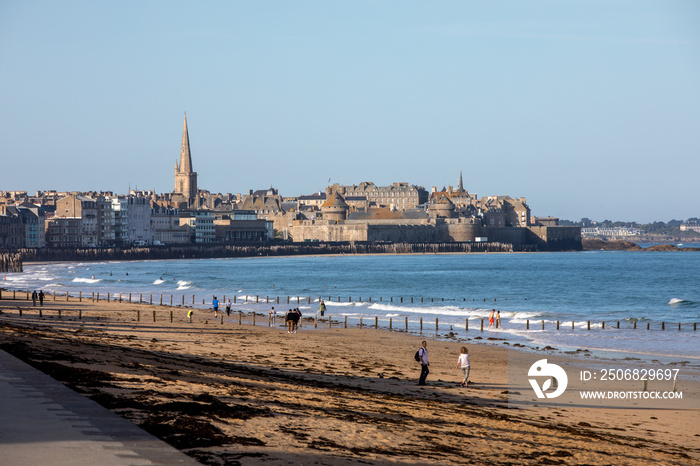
87	280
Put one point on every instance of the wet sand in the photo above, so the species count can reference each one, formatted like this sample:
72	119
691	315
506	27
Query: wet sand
243	394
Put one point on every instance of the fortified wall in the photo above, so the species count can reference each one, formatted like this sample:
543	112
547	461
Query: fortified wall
543	238
396	230
557	238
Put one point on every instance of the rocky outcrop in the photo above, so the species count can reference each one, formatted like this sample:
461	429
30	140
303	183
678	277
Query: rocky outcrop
612	245
620	245
669	247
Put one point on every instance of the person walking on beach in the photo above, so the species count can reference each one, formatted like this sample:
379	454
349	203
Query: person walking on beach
322	308
493	311
296	317
463	363
41	297
34	298
289	321
423	359
228	307
273	315
215	305
189	316
498	319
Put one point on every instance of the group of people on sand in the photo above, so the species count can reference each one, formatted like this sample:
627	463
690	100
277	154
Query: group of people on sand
463	364
494	319
39	296
292	319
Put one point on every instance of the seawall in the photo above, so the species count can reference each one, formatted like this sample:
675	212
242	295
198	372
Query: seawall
218	251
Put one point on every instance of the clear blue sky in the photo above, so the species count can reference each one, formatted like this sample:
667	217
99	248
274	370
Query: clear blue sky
586	108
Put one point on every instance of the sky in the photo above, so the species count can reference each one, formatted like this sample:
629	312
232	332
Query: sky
585	108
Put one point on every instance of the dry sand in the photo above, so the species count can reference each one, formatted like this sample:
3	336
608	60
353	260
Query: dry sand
244	394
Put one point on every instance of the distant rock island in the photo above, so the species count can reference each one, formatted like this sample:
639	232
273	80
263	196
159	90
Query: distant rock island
622	245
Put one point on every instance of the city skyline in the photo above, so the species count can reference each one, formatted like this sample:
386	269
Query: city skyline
587	109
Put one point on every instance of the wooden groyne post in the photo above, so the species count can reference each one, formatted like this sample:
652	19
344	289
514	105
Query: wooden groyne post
10	262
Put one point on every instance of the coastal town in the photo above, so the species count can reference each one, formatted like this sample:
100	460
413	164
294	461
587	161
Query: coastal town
400	212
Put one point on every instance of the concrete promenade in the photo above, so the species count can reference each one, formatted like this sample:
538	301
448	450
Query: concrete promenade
44	422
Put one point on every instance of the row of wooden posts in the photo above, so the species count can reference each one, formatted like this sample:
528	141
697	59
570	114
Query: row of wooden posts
96	297
258	299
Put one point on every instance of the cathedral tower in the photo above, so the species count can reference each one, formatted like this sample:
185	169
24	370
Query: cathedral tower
185	178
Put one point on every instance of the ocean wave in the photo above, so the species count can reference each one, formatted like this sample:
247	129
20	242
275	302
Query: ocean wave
261	299
334	304
87	280
449	311
183	283
158	281
389	307
678	301
183	287
522	319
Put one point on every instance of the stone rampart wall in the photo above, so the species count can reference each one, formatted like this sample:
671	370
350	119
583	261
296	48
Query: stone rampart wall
515	235
421	233
307	231
558	238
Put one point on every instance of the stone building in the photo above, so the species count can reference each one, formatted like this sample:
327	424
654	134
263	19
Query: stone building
199	225
139	218
84	208
241	226
398	196
64	232
165	226
312	200
105	221
262	201
504	211
22	226
26	226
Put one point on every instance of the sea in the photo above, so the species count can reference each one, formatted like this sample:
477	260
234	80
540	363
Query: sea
647	288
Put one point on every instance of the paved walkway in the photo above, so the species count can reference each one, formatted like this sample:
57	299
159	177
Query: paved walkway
44	422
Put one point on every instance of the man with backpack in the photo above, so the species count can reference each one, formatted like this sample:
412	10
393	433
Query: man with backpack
422	357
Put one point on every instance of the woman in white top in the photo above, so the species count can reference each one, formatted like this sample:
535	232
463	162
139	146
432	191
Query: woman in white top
463	363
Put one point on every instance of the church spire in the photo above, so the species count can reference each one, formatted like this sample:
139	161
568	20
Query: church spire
185	178
185	156
460	187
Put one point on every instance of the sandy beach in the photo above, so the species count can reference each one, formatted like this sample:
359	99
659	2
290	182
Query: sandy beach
243	394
